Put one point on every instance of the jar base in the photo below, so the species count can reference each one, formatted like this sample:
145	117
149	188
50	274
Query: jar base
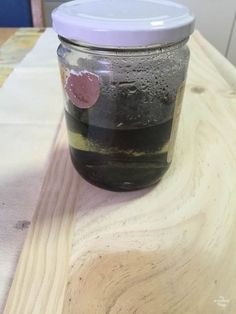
121	178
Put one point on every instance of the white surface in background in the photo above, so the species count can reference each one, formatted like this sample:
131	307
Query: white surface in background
214	20
232	46
30	109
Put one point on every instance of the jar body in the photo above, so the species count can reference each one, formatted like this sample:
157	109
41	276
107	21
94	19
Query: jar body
122	110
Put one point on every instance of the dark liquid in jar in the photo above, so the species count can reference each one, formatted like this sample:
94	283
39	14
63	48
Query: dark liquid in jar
119	159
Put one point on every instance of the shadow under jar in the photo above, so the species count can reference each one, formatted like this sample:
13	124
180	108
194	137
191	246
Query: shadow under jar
123	83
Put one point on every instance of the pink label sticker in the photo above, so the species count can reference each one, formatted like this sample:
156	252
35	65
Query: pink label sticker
83	88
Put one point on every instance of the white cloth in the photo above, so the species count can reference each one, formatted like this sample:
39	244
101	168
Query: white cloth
30	108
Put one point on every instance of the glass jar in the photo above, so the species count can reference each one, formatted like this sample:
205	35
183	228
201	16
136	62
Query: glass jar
122	102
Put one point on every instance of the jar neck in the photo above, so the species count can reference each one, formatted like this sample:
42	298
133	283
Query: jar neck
77	45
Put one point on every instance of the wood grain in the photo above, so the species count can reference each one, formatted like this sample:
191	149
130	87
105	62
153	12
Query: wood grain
5	33
170	249
17	43
41	273
222	65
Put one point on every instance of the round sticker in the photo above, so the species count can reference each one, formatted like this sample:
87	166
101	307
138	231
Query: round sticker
83	88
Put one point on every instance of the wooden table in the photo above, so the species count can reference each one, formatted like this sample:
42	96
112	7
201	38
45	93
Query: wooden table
14	45
16	209
5	34
171	249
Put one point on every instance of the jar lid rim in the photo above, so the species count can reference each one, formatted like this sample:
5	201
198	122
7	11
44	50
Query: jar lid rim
122	23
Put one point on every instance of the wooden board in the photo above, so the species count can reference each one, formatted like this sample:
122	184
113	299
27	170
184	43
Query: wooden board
169	249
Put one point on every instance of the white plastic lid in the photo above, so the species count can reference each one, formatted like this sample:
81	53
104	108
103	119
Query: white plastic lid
123	23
